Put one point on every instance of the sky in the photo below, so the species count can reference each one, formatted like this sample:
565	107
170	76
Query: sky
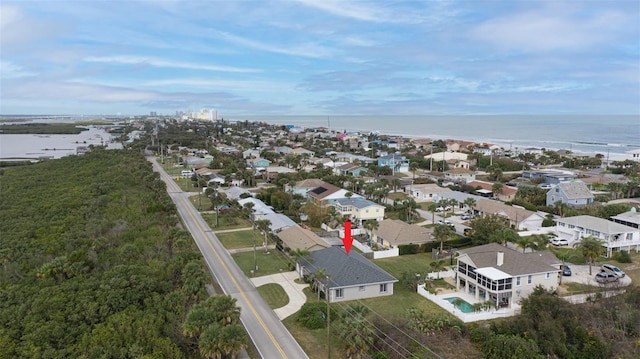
320	57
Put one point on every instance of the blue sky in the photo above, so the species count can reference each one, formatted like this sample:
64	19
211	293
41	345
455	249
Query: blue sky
320	57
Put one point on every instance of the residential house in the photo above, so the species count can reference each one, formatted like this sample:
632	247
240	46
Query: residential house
304	186
460	175
505	276
261	211
429	192
351	169
395	161
326	193
258	162
299	151
454	163
359	209
487	149
298	238
518	217
614	236
271	172
630	218
548	176
507	193
285	150
251	153
394	232
633	155
457	145
350	276
573	194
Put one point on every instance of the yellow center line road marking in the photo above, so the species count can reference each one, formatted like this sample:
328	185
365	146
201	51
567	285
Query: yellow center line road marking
235	282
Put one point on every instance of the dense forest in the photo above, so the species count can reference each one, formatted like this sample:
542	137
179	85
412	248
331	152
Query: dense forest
93	261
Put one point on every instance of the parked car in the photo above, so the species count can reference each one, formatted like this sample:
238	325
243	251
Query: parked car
446	221
609	268
566	270
467	231
606	277
467	216
442	209
560	242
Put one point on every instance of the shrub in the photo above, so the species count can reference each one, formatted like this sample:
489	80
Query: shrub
312	315
622	257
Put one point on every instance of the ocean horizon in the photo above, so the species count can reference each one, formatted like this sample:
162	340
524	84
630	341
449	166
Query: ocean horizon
608	135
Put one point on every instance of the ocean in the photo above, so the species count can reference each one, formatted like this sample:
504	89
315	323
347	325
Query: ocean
610	136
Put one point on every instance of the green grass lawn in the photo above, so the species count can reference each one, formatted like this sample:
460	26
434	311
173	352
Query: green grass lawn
397	195
274	262
242	239
274	295
227	220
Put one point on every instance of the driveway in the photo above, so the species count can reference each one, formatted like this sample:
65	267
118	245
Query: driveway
580	274
294	290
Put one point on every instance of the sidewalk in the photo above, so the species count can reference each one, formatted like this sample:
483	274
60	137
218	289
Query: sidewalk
294	290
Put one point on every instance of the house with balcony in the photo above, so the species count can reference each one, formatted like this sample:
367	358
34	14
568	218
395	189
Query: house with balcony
460	175
358	209
614	236
573	194
505	276
395	161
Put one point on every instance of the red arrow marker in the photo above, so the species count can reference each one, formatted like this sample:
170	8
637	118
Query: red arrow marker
347	240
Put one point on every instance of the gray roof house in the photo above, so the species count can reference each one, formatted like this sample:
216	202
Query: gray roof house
503	275
351	276
573	194
614	236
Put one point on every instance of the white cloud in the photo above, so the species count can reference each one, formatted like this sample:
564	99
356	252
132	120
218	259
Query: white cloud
135	60
306	50
9	70
360	10
548	29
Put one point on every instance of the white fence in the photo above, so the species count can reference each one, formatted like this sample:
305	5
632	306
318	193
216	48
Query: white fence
543	230
377	254
465	317
450	273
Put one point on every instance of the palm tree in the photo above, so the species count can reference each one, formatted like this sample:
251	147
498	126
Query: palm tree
410	205
441	233
227	312
432	208
357	336
318	277
591	248
209	344
497	189
524	242
371	225
233	339
438	266
470	203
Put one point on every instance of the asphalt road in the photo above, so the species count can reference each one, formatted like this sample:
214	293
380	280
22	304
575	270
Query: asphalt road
269	335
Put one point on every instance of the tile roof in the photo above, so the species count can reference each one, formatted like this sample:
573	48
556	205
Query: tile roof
515	262
346	270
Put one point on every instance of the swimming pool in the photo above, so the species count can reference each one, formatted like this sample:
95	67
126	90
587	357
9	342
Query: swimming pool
461	304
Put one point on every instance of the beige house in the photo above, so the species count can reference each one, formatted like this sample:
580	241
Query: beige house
298	238
503	275
394	232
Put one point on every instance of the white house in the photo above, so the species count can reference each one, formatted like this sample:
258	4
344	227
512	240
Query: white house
430	192
614	236
503	275
459	175
351	276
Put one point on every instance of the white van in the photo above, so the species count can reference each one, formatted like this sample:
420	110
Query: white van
186	173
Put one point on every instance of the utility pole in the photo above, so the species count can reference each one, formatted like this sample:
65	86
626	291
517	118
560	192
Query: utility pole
327	293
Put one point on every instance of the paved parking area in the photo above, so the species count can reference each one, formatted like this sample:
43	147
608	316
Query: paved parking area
580	274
